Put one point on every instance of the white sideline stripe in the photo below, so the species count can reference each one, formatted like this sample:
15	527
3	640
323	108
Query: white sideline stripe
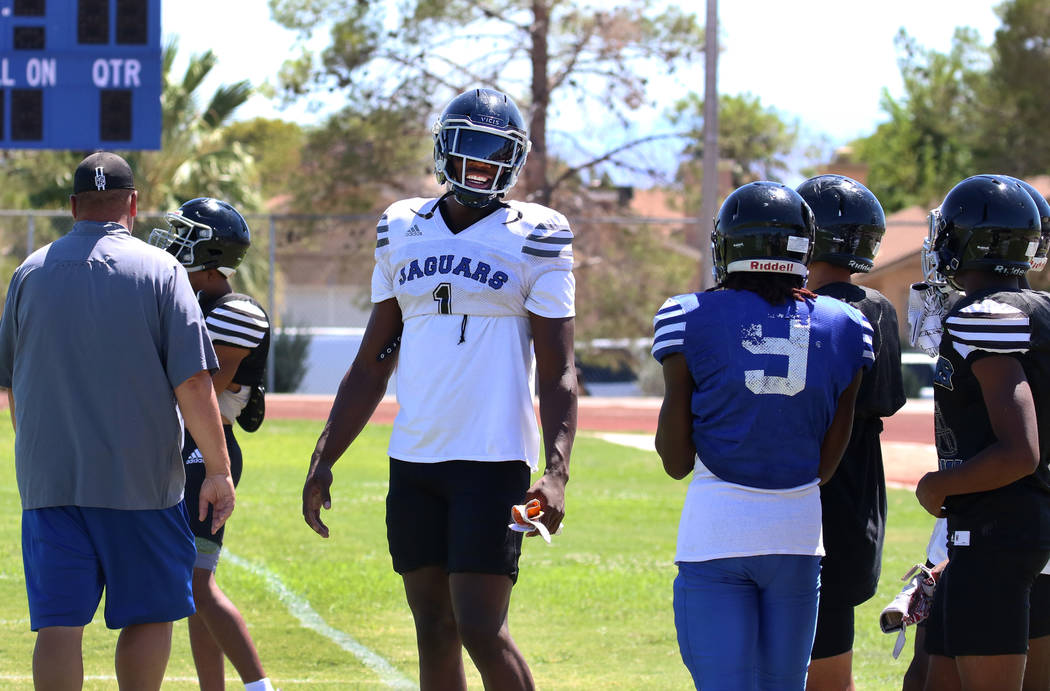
310	619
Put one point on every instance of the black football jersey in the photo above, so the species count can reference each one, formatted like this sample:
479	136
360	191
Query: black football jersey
853	501
239	320
988	323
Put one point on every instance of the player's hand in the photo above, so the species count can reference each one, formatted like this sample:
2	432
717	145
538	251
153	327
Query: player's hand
216	490
317	493
929	497
550	491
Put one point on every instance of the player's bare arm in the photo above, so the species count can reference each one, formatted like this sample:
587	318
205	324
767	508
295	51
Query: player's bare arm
200	410
230	358
837	437
1015	453
359	393
553	342
674	429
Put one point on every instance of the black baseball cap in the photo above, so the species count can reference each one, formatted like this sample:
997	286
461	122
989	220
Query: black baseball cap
103	170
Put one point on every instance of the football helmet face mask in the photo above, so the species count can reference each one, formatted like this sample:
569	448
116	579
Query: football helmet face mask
1039	260
480	126
850	221
985	223
205	234
762	226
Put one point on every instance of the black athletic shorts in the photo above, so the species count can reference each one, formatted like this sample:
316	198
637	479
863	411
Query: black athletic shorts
1039	619
454	514
191	457
834	630
981	605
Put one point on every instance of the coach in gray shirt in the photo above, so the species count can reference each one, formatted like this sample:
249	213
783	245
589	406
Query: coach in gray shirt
100	336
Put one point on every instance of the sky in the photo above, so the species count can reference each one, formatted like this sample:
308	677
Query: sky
822	62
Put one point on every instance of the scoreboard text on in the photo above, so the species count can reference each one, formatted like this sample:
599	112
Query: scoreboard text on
80	74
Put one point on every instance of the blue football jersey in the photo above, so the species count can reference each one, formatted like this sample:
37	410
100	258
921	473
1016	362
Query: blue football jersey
767	378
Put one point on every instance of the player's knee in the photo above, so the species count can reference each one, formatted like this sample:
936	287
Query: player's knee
481	636
435	629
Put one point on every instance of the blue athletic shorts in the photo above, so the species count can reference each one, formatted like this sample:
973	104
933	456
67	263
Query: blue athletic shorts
143	559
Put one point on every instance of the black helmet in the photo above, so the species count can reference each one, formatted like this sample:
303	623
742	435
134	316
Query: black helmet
1039	260
204	234
480	125
762	226
985	223
850	221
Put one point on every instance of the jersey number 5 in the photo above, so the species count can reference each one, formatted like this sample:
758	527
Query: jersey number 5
795	347
443	297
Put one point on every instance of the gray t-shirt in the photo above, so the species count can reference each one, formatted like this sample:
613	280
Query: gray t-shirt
97	331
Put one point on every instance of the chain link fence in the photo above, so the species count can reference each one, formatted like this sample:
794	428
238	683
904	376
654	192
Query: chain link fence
313	273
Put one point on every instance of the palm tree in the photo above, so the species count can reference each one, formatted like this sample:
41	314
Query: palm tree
195	160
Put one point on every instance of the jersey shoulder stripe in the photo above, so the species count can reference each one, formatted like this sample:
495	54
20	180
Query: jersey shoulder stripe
383	232
239	323
669	324
869	336
990	326
549	236
399	217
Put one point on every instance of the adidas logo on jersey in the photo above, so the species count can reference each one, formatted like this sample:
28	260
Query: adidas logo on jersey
414	230
195	457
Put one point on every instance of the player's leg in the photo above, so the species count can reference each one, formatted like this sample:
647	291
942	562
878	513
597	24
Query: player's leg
142	656
1037	667
789	586
437	638
716	619
940	672
986	614
483	565
64	586
217	629
417	524
831	662
480	602
207	653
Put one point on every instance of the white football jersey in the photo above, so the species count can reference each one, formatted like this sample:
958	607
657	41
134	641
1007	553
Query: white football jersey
464	372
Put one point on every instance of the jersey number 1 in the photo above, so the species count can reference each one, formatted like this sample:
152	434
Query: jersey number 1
443	297
795	347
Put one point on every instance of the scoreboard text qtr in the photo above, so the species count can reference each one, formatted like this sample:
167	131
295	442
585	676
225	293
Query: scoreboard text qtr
80	74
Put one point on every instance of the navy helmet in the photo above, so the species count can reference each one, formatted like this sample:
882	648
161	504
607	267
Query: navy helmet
480	125
205	233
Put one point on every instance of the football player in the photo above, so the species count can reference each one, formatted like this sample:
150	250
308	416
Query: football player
850	225
991	398
465	288
210	238
932	312
760	381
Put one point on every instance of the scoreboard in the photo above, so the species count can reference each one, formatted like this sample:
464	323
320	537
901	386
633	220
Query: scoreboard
80	74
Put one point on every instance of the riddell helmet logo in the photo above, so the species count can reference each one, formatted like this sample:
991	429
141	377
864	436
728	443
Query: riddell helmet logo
783	267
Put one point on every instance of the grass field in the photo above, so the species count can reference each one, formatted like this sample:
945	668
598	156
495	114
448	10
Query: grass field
591	611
